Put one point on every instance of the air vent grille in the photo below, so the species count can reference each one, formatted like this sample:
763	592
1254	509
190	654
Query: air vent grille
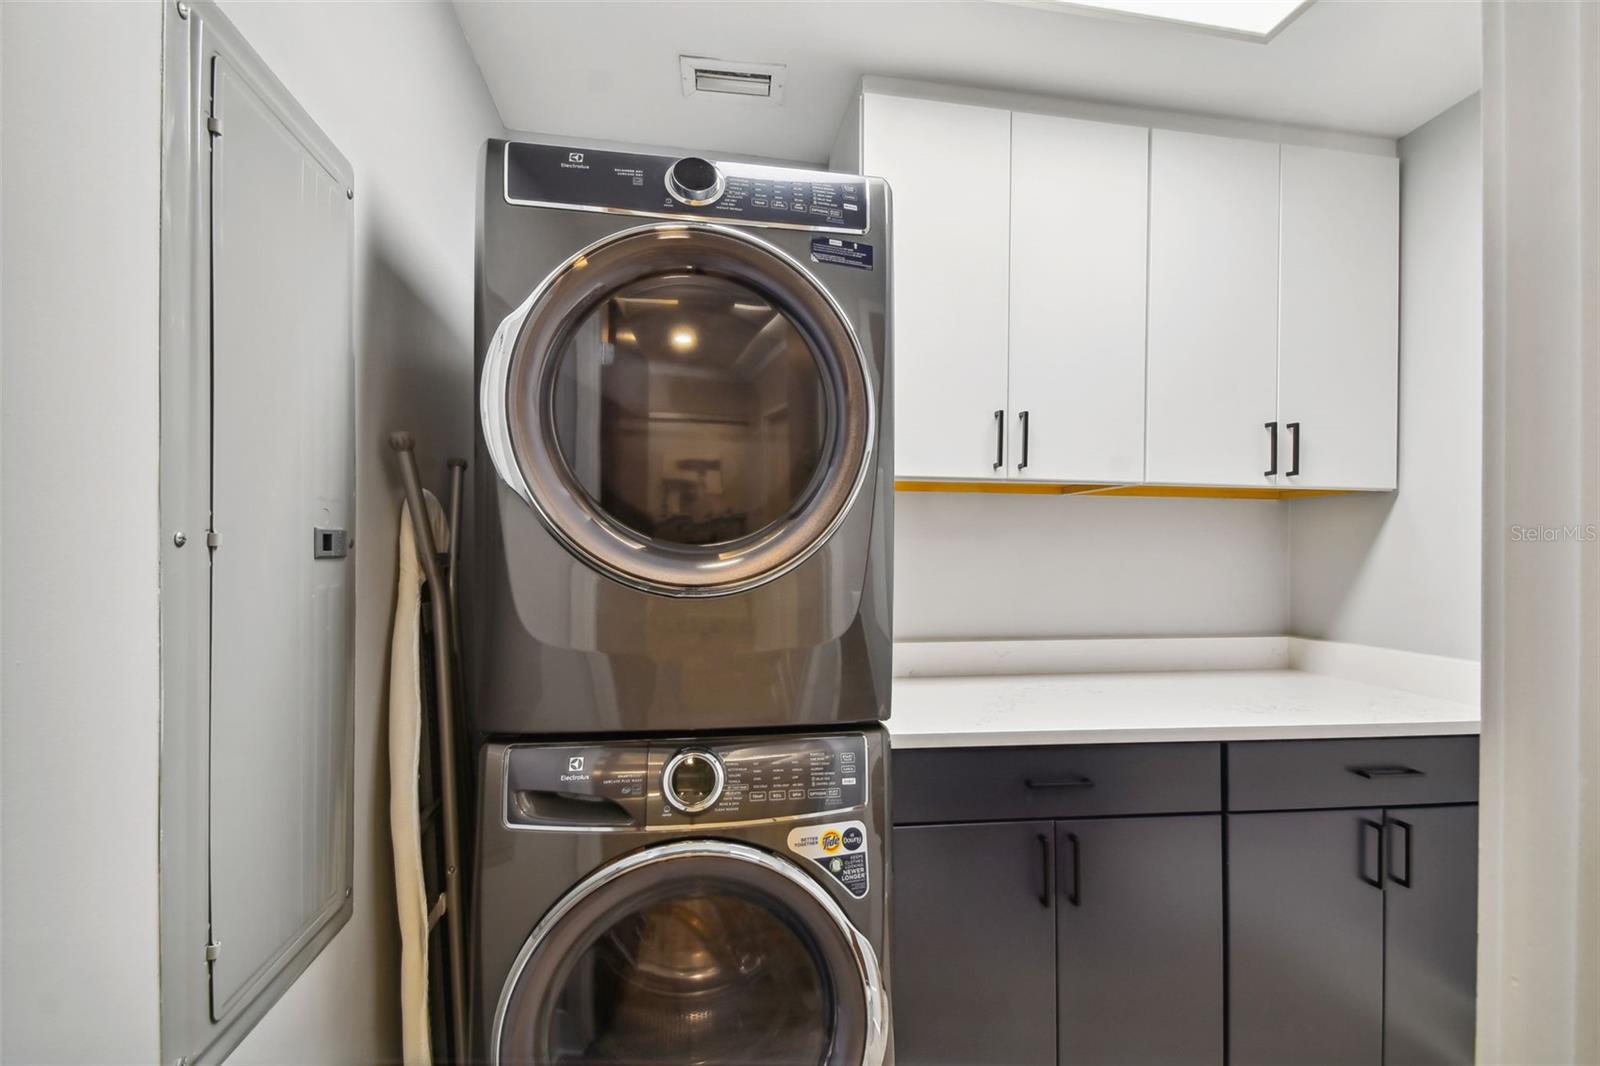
755	82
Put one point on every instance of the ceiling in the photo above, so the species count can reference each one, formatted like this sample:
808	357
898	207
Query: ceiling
608	71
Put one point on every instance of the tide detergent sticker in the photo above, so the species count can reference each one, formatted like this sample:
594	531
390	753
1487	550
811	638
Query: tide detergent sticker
839	849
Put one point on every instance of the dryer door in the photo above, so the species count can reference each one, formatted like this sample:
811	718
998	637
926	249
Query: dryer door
684	406
707	952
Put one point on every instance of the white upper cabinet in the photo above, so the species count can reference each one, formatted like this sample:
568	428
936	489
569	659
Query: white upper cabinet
1094	303
1213	317
1338	362
1079	202
949	173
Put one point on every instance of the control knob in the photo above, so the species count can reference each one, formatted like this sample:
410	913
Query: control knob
692	780
695	181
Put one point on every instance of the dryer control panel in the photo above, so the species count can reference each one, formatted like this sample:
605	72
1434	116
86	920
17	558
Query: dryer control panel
684	187
673	784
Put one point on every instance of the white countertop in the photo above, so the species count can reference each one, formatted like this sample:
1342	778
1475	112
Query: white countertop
1109	708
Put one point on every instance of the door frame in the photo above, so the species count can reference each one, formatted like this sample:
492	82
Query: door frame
1539	831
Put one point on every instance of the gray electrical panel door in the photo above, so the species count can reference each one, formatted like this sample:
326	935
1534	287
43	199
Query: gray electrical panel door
283	500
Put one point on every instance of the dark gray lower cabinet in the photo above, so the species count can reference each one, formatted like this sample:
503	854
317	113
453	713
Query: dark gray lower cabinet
1327	918
974	952
1352	936
1430	962
1305	939
1091	941
1139	940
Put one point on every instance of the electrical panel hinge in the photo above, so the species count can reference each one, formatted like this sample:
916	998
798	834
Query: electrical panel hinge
214	125
213	951
213	539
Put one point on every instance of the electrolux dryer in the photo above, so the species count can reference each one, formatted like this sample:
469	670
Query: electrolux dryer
711	901
682	513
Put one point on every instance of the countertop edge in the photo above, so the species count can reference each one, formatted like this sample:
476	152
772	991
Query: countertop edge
1064	737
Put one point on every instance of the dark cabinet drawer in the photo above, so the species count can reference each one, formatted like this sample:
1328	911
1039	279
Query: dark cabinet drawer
989	784
1300	774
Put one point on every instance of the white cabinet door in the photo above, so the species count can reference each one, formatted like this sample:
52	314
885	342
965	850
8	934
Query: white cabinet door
1079	206
1339	284
1212	362
948	168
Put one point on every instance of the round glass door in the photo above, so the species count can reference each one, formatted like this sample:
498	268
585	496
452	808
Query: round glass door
688	411
700	952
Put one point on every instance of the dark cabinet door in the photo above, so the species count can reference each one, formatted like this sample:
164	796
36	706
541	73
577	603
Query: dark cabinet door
1140	941
1430	957
1306	938
974	962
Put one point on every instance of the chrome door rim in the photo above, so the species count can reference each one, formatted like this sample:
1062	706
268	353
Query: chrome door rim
875	1007
527	459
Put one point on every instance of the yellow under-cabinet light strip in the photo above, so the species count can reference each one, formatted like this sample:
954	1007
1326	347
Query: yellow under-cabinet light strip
1049	488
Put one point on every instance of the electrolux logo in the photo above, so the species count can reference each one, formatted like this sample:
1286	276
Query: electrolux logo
574	157
574	162
575	763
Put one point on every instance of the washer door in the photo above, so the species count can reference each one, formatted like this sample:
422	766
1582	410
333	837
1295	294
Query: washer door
687	410
703	952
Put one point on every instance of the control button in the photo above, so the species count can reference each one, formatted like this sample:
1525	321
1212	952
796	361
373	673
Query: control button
695	181
797	793
692	780
757	797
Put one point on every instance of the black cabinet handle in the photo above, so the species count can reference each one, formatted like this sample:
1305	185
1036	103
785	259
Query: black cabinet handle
999	439
1372	773
1047	866
1023	417
1059	782
1294	449
1075	893
1362	839
1396	823
1272	435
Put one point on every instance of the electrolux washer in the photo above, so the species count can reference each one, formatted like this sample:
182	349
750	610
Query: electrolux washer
683	497
717	902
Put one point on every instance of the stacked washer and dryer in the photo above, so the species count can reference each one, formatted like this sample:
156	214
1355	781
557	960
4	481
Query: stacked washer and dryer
677	612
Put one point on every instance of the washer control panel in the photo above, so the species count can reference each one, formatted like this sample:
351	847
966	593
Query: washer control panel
760	780
684	187
665	784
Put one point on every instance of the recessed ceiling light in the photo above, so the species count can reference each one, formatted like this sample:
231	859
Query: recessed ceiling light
1254	20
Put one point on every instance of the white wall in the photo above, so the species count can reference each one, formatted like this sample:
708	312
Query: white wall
1402	570
396	89
78	557
988	565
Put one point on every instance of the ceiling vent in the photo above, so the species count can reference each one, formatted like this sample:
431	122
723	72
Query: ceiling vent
757	82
